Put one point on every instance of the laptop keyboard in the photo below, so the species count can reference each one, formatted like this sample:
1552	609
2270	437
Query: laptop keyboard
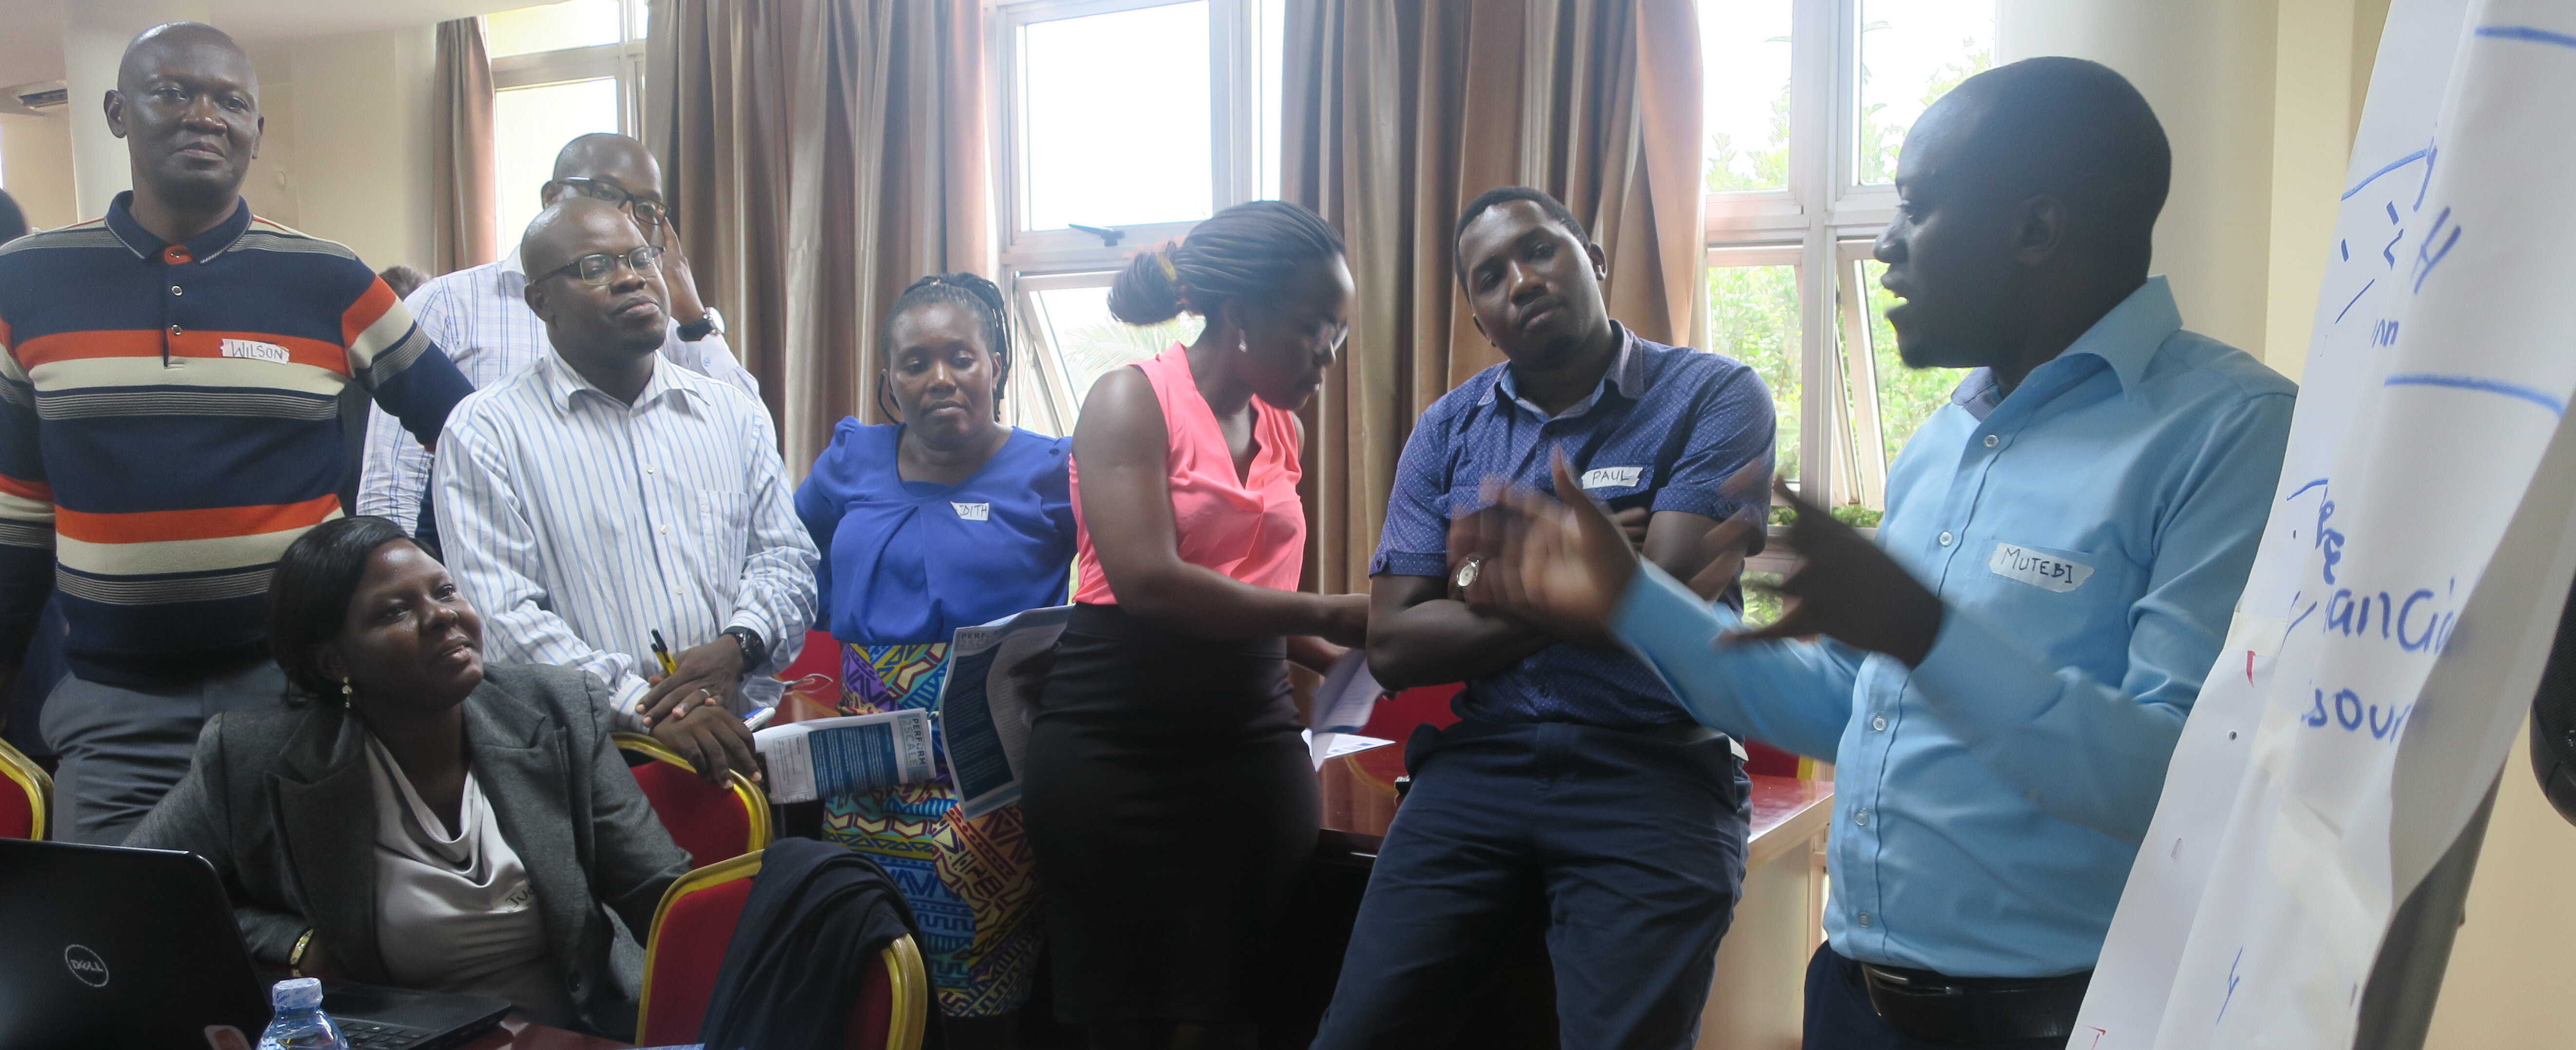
368	1035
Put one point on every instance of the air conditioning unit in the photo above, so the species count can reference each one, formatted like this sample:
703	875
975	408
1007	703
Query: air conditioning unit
34	99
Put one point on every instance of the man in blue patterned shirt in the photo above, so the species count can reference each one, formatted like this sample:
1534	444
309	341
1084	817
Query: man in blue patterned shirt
1576	790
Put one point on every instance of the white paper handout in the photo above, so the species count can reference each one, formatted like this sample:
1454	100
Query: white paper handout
995	673
836	757
1347	697
1325	747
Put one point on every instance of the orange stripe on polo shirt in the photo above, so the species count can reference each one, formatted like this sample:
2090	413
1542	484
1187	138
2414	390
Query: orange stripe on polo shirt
160	526
95	345
26	489
370	308
79	346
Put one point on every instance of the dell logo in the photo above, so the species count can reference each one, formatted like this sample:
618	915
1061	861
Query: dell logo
85	965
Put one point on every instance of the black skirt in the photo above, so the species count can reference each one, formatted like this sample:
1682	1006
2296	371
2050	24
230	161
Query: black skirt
1171	806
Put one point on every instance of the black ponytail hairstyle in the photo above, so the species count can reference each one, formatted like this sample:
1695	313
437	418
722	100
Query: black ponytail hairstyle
978	296
1249	251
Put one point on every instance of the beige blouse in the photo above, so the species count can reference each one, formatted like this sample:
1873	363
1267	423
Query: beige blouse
456	912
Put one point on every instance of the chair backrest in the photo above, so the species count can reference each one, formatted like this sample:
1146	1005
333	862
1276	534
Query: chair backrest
711	823
26	796
685	955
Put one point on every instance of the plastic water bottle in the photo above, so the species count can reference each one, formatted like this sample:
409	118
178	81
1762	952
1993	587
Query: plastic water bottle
300	1022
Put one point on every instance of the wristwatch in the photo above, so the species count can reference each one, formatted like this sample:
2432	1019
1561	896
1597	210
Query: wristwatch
755	653
712	323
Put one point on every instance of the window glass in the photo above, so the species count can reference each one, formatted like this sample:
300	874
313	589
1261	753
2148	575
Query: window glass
1744	55
529	126
1090	342
639	20
1116	118
1912	52
552	27
1753	318
1906	396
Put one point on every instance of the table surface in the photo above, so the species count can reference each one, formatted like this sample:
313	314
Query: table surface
1359	804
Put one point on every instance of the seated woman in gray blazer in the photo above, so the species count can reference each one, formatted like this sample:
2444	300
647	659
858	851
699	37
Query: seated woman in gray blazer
416	817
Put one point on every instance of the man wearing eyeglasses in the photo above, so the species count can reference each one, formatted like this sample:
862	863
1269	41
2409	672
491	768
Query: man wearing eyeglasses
599	496
481	317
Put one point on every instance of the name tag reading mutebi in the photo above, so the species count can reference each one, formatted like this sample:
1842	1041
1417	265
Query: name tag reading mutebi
2046	571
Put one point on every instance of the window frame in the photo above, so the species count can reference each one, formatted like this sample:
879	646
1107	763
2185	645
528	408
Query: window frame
1243	83
1825	222
622	61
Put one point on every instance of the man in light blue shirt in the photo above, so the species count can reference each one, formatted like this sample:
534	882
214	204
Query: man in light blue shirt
2001	676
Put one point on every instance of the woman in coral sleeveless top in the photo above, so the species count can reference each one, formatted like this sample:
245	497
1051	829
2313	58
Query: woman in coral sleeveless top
1168	796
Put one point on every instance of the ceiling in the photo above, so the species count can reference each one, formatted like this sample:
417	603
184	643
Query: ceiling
31	31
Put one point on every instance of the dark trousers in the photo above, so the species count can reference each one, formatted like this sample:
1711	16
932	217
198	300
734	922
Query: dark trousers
1839	1015
1629	847
122	749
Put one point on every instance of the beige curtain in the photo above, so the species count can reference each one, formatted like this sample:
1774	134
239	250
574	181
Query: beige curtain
463	153
1398	112
820	155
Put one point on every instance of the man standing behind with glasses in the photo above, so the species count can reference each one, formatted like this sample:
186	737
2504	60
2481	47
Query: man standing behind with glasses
597	497
480	316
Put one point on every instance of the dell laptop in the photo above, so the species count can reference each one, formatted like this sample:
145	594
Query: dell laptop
102	946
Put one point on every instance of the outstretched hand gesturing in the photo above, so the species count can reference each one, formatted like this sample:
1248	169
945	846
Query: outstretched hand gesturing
1564	566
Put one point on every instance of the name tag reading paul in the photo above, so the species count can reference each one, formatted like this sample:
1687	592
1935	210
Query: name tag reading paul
2045	571
974	511
1612	477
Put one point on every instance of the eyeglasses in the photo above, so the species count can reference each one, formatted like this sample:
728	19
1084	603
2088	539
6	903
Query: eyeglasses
646	210
594	269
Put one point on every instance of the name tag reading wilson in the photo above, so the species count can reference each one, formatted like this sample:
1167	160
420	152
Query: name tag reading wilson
1612	477
2046	571
974	511
255	350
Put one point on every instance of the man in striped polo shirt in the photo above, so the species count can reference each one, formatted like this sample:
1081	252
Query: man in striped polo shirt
169	422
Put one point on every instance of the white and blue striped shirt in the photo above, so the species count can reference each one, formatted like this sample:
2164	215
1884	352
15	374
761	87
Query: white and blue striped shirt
579	525
480	316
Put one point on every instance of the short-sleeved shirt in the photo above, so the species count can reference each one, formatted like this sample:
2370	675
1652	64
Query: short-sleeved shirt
1665	430
910	562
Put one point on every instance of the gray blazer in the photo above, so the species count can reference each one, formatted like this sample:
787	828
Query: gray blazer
280	802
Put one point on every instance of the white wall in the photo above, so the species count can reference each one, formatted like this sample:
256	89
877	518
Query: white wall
355	143
346	152
36	162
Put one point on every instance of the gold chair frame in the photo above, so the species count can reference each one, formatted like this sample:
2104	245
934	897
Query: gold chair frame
755	801
22	771
908	1016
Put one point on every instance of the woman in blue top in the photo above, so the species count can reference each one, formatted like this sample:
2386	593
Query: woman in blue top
945	520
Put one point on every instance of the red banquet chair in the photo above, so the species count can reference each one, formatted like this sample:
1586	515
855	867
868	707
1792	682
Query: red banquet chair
690	932
712	823
26	796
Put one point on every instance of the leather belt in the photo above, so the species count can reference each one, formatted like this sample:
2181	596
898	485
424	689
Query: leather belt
1939	1008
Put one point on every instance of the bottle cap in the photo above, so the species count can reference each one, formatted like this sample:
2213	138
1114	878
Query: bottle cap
302	993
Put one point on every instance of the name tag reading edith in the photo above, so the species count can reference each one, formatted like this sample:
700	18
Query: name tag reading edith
974	511
2046	571
1612	477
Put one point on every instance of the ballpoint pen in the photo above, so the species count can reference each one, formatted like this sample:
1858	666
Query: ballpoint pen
662	653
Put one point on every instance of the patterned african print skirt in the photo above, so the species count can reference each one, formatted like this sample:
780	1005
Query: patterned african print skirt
972	884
